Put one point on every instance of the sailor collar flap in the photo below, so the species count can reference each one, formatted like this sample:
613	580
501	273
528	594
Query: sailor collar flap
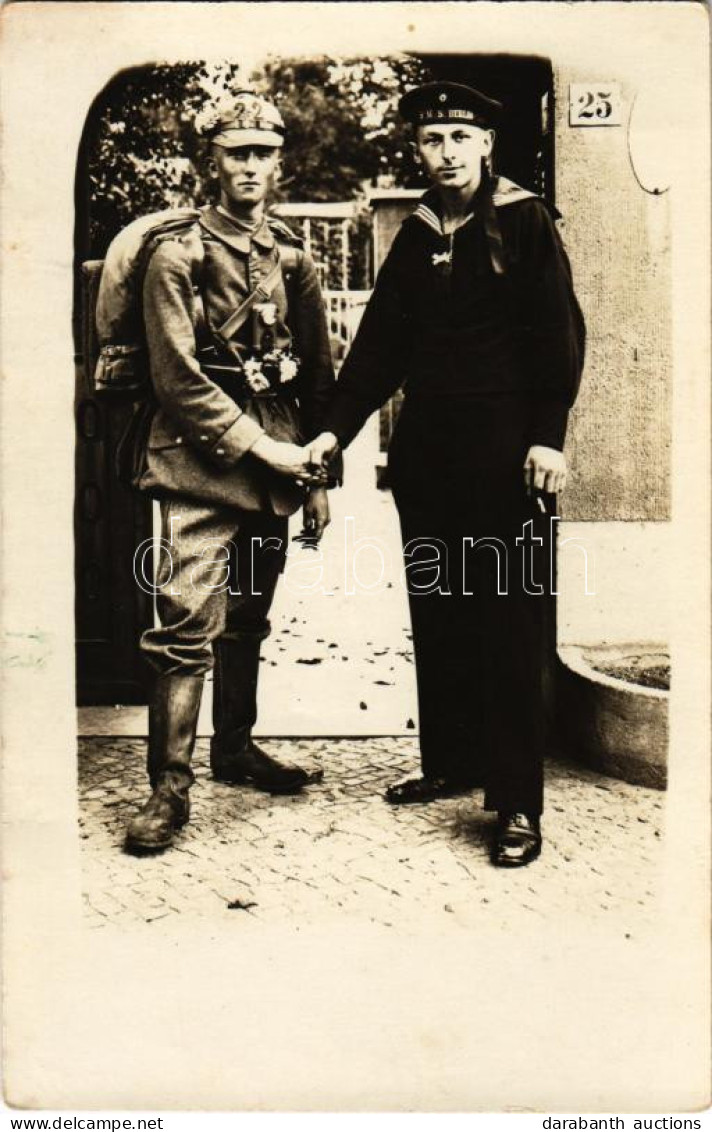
505	192
222	228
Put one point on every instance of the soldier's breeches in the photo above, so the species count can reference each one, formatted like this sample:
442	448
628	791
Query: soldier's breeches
217	571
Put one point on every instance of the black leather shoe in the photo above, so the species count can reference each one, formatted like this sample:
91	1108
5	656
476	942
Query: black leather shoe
411	790
517	842
255	767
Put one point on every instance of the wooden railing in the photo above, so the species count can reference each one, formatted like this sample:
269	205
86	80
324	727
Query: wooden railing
343	313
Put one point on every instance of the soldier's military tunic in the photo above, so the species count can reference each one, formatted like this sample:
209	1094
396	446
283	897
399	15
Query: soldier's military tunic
483	330
214	494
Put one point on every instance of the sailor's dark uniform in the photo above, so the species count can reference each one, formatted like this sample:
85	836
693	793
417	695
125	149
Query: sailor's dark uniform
482	329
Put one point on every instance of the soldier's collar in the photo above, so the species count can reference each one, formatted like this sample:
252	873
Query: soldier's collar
223	227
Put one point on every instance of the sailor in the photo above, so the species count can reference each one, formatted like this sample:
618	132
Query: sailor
474	314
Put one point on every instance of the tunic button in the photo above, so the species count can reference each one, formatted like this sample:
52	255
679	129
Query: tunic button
220	451
179	440
203	437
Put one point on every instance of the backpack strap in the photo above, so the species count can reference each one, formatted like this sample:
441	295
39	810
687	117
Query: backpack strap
169	231
287	260
261	293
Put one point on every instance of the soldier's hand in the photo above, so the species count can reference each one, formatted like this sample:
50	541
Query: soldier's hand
316	517
544	469
289	459
324	448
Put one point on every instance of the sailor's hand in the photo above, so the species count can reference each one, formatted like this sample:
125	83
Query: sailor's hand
289	459
544	469
324	448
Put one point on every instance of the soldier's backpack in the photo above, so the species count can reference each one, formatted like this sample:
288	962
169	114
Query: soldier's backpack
116	350
115	289
121	371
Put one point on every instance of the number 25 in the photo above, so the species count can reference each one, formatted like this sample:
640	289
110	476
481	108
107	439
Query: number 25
595	104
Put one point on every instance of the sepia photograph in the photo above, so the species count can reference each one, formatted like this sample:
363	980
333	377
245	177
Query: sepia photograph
357	657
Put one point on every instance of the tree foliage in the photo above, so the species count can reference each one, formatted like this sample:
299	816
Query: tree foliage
142	154
141	150
342	123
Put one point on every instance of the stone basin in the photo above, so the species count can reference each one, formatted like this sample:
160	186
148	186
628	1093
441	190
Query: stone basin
610	720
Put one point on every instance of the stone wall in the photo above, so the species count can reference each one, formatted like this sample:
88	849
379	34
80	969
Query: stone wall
618	240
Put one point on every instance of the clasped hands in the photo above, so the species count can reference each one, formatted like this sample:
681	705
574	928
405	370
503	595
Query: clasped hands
308	465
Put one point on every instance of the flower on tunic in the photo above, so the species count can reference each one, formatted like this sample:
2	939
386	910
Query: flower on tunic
258	383
274	368
288	369
267	312
254	376
253	367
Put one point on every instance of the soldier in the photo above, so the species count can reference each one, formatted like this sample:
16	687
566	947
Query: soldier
475	312
241	371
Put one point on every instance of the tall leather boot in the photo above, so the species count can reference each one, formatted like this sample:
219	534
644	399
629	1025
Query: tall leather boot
234	756
172	724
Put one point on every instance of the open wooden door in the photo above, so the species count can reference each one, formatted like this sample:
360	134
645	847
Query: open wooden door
110	520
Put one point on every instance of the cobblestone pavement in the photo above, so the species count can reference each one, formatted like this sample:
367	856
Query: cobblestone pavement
339	850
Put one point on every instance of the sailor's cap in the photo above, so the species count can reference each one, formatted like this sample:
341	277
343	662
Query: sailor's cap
443	102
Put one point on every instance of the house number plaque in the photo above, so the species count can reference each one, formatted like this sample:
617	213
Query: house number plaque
595	104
